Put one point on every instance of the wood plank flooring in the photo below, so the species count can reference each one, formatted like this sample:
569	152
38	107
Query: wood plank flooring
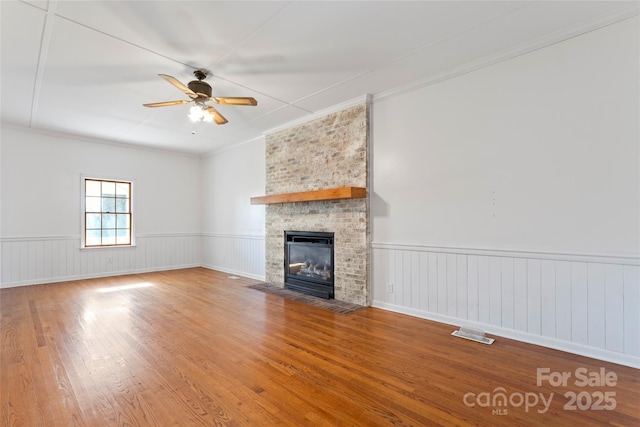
195	348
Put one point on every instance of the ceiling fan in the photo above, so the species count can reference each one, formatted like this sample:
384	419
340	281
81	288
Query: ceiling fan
200	94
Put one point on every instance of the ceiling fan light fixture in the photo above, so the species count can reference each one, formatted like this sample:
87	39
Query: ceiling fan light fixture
207	116
196	113
200	113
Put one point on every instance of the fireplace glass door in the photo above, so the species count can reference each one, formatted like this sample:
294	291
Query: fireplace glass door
309	262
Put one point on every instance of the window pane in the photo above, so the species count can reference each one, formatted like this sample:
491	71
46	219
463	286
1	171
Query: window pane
93	221
93	238
107	212
122	221
108	237
108	188
92	204
122	189
122	237
108	221
108	204
92	188
122	205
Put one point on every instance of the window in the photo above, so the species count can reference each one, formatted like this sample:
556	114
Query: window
107	213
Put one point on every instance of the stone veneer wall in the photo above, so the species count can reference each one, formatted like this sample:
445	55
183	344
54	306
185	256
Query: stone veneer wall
328	152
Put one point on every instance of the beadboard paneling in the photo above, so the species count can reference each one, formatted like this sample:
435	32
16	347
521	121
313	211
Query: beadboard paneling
33	260
235	254
582	304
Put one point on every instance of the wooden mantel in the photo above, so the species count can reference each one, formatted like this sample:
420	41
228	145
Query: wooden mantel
308	196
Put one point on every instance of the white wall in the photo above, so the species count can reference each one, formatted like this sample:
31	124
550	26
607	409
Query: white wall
508	198
41	207
538	153
233	229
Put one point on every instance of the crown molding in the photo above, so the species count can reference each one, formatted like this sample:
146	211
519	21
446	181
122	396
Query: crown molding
76	137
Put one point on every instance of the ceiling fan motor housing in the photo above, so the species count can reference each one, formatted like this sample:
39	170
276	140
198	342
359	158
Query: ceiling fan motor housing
200	87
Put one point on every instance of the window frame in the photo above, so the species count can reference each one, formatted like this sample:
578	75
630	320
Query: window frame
83	211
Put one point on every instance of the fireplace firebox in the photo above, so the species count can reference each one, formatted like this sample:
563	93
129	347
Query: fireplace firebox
308	263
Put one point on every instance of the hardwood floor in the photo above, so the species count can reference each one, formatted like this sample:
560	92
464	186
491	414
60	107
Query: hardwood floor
195	348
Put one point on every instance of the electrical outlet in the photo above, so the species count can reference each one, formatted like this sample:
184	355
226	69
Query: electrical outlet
389	288
109	260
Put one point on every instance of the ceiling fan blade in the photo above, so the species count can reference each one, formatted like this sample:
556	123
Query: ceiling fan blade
166	103
234	100
179	85
217	117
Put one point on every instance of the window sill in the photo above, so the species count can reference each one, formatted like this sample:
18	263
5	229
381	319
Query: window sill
90	248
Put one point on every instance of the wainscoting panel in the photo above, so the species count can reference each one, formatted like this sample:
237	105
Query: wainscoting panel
235	254
33	260
582	304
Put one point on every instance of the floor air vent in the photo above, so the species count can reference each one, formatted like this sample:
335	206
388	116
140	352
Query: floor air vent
473	335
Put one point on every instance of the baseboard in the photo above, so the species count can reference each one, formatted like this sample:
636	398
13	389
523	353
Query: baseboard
581	350
234	272
44	281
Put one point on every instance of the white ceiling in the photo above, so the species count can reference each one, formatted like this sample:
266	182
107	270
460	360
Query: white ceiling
86	67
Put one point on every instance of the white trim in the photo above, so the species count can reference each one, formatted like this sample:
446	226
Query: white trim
46	281
522	49
98	248
95	140
235	272
365	99
556	256
37	238
234	236
182	234
132	210
596	353
138	236
600	258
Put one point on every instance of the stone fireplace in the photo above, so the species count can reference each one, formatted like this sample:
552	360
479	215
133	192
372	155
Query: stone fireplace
328	152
